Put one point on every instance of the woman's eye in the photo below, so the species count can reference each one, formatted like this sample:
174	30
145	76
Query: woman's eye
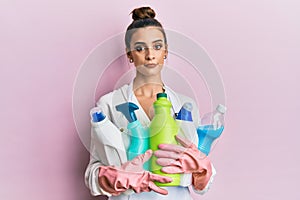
157	46
139	49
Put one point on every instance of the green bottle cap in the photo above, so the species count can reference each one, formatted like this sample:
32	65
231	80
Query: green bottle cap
159	95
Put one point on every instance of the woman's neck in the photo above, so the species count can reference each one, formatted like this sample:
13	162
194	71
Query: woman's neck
147	87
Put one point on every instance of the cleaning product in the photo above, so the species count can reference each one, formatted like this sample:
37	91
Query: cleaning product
162	129
211	127
107	140
139	136
187	129
185	122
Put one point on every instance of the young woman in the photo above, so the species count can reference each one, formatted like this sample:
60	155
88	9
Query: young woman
147	49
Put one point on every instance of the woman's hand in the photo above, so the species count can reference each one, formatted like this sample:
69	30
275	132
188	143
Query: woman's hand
185	159
131	175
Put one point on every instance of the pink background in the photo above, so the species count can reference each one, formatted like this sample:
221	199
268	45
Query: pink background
255	45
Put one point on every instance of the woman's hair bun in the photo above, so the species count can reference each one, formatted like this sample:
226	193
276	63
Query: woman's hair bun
143	13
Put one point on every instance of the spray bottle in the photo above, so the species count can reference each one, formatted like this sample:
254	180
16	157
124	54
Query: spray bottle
139	136
211	127
187	129
163	129
107	138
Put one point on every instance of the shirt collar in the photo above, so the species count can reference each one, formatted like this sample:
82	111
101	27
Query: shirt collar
172	96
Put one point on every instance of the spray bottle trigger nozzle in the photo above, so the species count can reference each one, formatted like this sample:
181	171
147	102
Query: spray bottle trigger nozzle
128	109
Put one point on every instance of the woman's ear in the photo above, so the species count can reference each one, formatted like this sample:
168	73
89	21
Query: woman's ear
166	51
128	53
129	56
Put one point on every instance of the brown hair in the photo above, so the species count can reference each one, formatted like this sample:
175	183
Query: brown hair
142	17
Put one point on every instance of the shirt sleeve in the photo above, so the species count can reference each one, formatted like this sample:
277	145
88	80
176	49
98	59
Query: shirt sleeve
91	178
208	185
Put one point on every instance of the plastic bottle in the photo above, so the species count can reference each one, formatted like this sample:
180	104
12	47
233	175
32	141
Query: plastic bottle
211	127
139	135
107	140
187	129
185	122
163	129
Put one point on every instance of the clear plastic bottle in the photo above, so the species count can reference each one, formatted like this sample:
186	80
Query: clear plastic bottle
211	127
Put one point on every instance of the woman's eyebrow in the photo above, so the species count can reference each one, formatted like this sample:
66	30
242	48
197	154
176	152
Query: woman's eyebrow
139	43
159	40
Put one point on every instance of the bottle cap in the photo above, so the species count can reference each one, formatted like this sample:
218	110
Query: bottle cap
159	95
221	108
97	115
185	112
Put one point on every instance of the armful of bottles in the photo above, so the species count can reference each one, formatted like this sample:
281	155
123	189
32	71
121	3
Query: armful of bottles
163	129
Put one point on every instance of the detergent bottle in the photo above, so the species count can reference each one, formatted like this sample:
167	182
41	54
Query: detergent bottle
107	140
162	129
187	129
139	136
211	127
184	120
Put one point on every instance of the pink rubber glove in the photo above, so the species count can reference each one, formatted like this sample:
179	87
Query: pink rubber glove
185	159
131	175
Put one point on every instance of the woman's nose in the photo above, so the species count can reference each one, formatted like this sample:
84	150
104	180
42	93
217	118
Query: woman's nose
149	54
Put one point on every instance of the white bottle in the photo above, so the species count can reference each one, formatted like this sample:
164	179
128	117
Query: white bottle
187	130
107	143
185	123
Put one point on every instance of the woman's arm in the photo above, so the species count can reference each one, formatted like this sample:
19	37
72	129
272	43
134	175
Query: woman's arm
92	176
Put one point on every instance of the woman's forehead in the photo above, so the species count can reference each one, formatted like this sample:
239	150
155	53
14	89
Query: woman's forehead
147	35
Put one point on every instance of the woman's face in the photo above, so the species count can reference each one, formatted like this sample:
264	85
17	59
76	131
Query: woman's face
148	50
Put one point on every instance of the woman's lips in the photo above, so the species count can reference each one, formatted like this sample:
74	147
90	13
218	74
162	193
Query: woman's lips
151	65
